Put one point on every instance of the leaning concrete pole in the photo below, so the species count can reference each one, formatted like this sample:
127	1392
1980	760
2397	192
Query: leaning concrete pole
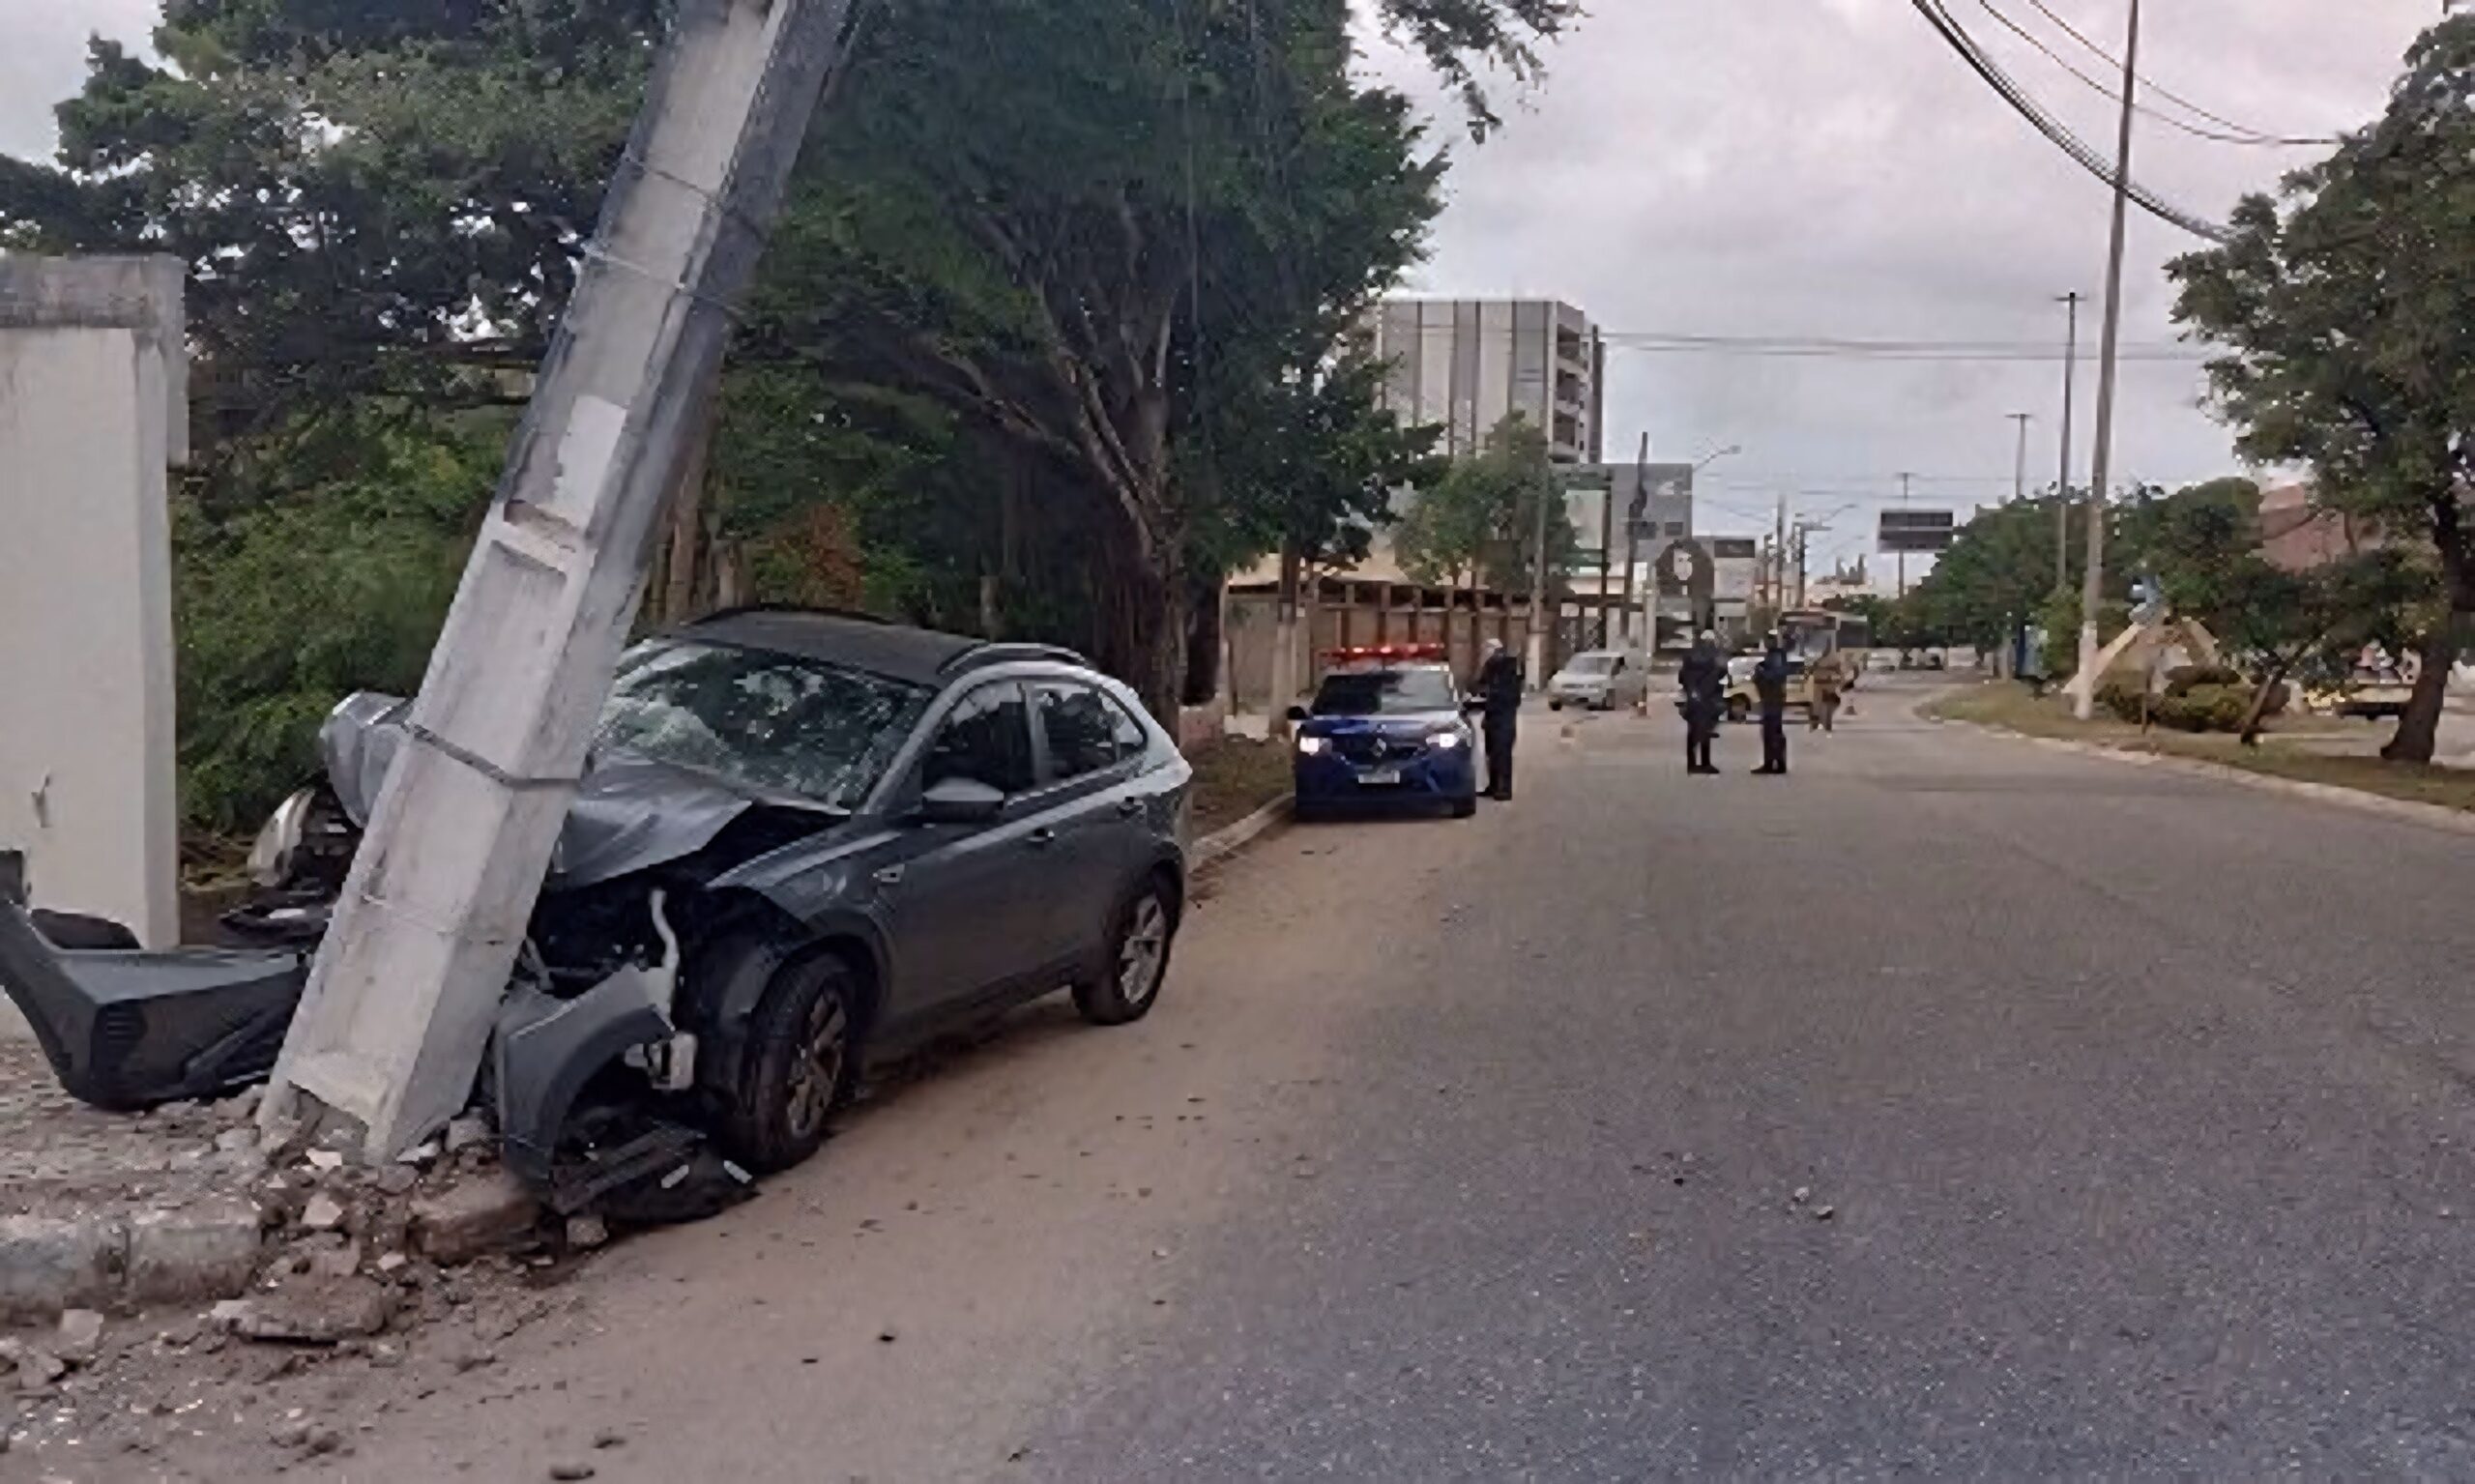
400	1004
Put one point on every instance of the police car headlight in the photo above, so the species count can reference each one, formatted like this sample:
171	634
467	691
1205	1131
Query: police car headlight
1445	741
1312	746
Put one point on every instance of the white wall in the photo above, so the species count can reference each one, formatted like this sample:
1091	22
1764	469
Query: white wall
92	411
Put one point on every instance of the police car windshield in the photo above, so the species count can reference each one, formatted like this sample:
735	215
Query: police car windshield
1385	692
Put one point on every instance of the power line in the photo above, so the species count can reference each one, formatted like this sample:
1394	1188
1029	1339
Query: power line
2255	136
2249	137
1840	348
2046	124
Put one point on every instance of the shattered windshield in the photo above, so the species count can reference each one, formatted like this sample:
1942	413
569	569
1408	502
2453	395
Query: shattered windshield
767	721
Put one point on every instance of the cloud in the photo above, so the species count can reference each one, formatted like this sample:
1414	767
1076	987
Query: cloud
43	60
1791	167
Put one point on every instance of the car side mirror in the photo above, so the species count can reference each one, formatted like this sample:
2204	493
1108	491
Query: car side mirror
1300	714
960	802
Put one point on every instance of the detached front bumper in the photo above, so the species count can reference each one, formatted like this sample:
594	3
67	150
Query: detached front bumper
128	1029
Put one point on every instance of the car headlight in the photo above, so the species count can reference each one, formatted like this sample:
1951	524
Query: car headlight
278	843
1312	746
1445	741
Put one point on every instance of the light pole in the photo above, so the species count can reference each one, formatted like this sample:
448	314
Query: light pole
2062	490
2092	588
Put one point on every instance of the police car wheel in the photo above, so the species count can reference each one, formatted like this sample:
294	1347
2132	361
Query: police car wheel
1556	704
1463	808
1738	712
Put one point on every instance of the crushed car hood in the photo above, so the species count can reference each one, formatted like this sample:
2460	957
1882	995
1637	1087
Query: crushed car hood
629	813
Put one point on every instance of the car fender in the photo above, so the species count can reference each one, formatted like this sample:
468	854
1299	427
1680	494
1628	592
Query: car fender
720	1004
547	1049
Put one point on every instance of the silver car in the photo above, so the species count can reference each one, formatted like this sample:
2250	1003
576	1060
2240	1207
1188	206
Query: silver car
1600	680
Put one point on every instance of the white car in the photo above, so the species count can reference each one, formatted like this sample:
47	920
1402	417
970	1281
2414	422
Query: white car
1600	680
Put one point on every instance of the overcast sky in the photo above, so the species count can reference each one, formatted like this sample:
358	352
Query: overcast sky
1800	168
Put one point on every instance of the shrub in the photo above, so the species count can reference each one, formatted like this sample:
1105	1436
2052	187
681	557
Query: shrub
2205	709
2124	696
2183	679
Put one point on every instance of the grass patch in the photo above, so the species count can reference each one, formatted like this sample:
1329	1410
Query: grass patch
2000	703
1233	778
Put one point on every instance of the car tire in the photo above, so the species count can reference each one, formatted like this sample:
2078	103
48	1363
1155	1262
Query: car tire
1465	809
1554	705
1740	712
802	1064
1126	984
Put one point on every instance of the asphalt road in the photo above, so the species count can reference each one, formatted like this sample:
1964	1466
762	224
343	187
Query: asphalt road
2140	1108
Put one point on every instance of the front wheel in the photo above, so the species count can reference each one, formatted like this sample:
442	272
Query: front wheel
1465	809
802	1065
1740	712
1140	938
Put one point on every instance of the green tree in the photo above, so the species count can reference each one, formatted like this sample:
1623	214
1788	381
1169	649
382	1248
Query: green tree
2345	309
2202	545
1998	573
1478	524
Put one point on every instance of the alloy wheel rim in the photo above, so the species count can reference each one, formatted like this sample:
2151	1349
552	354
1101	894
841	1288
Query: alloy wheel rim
824	1046
1146	946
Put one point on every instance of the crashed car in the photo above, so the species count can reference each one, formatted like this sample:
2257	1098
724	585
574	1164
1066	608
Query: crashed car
802	841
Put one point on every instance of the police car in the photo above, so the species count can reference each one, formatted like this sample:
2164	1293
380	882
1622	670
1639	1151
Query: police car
1387	728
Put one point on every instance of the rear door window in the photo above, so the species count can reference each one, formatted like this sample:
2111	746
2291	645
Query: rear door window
1081	726
987	739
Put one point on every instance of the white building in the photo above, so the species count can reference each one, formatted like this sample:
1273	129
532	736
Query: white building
1467	364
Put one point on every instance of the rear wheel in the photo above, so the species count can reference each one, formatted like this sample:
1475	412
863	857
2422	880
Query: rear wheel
802	1065
1739	711
1140	935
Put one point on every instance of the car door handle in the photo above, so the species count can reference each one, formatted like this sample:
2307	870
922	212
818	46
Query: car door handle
1042	836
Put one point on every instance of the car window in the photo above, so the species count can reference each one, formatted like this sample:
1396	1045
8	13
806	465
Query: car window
986	740
767	721
1132	739
1385	692
1081	727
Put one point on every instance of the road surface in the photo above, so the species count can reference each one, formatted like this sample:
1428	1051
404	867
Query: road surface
2134	1112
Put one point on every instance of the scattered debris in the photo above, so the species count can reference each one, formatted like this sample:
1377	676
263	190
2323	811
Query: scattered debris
81	1336
1824	1212
484	1213
467	1131
326	1161
586	1233
608	1438
322	1213
321	1311
1803	1194
571	1468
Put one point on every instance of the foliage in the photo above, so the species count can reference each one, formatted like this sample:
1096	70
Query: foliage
2205	709
2345	309
1999	572
283	608
1479	522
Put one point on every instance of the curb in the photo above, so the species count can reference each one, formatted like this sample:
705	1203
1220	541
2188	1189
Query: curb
1221	846
2429	815
208	1250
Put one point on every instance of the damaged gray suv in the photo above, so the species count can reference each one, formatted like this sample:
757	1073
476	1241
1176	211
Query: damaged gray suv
802	841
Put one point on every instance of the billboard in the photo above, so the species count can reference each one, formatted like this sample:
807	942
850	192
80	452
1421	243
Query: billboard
1917	530
1735	563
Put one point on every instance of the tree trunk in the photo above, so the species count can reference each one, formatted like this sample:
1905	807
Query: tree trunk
1141	633
1202	638
2259	715
2419	730
1284	677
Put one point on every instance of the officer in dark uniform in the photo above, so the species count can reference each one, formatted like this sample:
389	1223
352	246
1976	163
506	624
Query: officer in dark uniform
1704	678
1499	693
1771	689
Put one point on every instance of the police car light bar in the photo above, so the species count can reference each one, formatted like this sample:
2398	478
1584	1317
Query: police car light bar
1360	652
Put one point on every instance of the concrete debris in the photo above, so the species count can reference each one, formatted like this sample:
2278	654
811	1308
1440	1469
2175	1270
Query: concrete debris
486	1213
322	1213
1824	1212
1803	1194
392	1262
316	1312
236	1141
609	1438
467	1131
81	1336
336	1262
396	1179
587	1231
207	1249
419	1154
325	1161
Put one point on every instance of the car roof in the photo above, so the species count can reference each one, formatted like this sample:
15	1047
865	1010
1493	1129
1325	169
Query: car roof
896	651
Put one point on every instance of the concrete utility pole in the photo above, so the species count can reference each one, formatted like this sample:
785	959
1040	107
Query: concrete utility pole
2062	490
1635	513
1905	481
2020	468
2092	590
1550	497
408	982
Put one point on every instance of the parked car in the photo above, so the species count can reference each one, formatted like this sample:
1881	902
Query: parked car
803	841
1388	729
1600	680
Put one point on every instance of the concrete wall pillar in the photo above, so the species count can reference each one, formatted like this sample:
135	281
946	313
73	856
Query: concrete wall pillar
93	411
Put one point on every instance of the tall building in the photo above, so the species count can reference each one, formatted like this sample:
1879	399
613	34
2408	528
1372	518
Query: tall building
1467	364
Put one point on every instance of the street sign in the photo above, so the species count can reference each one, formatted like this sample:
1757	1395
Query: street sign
1922	531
